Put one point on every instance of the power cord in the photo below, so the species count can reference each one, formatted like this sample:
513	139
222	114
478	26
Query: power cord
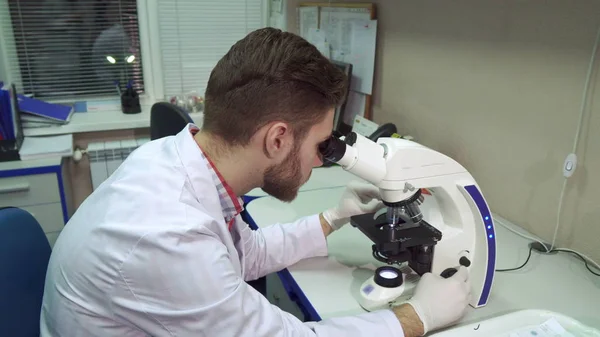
555	250
585	261
521	266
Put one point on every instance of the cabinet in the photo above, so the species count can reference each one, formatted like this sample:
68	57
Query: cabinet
37	186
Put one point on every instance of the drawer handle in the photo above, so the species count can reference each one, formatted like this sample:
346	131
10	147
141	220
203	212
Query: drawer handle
20	187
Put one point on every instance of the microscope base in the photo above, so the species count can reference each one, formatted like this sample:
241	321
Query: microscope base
374	297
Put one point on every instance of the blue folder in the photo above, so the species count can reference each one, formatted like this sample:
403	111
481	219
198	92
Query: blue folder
6	115
57	112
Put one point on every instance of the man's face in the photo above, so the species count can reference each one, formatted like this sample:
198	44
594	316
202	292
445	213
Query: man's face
283	180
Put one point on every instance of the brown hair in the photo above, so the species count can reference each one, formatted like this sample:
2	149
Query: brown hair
269	76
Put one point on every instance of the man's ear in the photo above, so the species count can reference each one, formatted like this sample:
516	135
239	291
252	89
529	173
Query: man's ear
278	140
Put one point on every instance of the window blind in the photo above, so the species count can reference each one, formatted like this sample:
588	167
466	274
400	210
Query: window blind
63	49
195	34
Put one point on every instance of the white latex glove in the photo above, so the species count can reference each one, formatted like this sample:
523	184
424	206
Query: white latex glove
439	301
358	198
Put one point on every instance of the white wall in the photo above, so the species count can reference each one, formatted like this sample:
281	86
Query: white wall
497	85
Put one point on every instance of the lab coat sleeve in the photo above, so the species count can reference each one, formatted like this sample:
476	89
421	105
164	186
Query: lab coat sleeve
273	248
197	292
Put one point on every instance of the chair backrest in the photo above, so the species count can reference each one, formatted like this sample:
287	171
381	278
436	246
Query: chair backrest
167	119
24	255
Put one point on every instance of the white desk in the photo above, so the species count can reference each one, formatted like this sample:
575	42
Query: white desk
101	121
559	282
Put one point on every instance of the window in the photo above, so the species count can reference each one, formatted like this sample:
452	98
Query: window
194	34
71	48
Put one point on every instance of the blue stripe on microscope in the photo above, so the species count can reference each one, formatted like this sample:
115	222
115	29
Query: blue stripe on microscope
491	240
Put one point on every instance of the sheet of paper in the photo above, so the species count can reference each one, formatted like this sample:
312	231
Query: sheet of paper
46	146
318	39
308	17
337	25
550	328
362	55
352	38
363	126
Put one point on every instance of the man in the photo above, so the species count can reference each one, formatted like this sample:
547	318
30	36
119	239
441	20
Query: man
160	249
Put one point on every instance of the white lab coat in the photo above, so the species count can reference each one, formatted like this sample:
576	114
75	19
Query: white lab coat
149	254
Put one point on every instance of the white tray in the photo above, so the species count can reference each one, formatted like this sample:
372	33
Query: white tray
508	325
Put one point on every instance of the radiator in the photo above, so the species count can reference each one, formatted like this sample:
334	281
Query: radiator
105	157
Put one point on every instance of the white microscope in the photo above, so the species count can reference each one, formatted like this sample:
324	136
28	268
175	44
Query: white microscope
463	234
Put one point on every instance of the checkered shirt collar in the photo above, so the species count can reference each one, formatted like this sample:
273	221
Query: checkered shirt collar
230	203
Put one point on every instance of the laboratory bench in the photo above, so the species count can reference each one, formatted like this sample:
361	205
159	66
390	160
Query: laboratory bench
324	287
39	187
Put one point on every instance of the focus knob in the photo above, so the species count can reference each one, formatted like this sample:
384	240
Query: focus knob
448	272
464	261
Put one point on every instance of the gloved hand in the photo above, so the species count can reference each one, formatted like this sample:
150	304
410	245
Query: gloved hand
440	301
358	198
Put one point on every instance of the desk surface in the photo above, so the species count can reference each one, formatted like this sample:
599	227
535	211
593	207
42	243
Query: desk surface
27	164
557	282
101	121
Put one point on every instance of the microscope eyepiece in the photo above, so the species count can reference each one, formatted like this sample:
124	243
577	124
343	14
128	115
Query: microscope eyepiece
333	149
357	155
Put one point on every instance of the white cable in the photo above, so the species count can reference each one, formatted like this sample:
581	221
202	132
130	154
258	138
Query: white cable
594	263
586	87
582	106
558	211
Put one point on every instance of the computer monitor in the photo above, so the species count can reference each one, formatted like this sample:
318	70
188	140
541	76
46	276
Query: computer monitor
340	128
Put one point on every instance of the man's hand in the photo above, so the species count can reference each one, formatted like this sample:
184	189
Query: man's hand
358	198
439	302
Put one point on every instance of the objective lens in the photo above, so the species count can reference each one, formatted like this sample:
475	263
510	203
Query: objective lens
393	215
414	212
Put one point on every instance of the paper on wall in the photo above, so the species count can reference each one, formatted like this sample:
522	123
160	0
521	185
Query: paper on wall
346	35
362	55
337	24
308	18
318	39
352	37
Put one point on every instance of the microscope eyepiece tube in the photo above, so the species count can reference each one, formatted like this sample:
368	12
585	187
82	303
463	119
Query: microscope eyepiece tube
337	151
358	155
333	149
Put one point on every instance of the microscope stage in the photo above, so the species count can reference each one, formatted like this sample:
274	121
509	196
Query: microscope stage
401	243
410	235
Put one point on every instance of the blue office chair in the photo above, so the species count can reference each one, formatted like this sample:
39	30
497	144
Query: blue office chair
167	119
24	255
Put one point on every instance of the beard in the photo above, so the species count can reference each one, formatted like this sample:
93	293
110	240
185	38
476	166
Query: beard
283	181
